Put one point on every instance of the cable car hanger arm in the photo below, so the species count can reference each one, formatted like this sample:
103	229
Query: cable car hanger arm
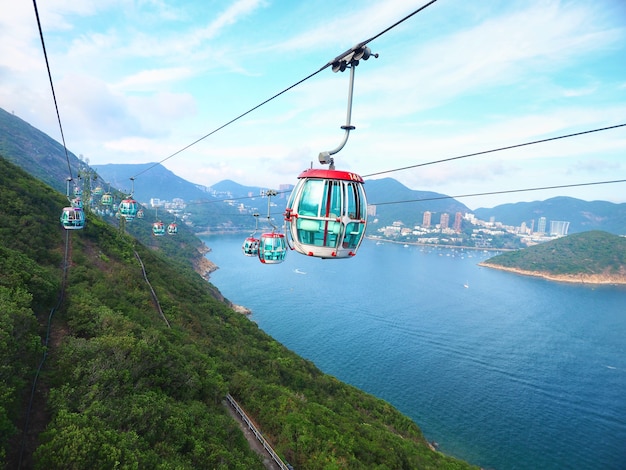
350	59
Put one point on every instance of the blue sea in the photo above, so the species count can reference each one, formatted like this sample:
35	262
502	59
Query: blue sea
501	370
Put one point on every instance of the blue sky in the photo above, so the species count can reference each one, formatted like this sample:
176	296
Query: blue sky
137	81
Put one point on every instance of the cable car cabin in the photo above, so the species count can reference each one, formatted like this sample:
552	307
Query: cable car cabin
98	191
77	202
158	229
78	191
140	214
73	218
250	246
272	248
107	199
172	229
128	209
327	213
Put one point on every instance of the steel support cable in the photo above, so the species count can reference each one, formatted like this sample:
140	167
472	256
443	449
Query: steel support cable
467	156
496	150
56	307
506	191
328	64
56	107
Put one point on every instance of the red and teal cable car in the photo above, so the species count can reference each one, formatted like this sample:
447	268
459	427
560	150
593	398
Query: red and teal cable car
272	245
250	246
326	214
128	208
272	248
73	218
158	228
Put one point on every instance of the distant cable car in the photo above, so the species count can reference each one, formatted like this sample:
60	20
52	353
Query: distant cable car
327	213
158	228
172	229
98	191
128	209
78	191
272	246
73	217
140	214
77	202
107	199
250	246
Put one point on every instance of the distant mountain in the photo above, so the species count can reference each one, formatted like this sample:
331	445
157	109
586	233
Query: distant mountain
582	215
44	158
390	196
153	181
591	257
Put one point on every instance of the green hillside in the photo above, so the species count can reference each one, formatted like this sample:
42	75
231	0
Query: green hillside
587	253
124	386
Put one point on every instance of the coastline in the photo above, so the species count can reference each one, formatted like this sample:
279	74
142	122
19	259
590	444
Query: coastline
581	278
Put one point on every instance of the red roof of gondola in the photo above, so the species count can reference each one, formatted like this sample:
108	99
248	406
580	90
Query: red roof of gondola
330	174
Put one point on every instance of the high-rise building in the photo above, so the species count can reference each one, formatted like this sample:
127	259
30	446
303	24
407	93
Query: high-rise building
444	220
426	219
559	228
458	217
541	225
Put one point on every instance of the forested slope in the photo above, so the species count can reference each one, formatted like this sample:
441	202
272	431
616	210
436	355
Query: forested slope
121	389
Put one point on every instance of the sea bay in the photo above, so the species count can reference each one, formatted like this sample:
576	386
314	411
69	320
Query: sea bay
502	370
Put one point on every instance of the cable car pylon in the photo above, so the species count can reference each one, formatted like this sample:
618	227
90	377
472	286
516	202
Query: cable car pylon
272	245
326	214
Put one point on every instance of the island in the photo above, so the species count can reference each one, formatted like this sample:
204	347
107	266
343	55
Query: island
593	257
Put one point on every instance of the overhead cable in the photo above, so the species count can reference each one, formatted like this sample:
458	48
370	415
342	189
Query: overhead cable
56	107
325	66
495	150
506	191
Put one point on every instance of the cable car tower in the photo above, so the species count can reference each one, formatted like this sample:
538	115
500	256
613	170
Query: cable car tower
272	245
326	214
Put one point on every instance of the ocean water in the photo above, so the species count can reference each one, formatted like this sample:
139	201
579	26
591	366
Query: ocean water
510	372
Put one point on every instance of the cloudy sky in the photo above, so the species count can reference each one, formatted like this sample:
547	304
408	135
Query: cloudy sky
137	81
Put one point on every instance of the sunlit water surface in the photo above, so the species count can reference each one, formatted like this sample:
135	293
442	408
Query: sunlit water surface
501	370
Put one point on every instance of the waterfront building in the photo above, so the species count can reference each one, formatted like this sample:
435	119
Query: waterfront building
444	220
426	219
559	228
458	217
541	225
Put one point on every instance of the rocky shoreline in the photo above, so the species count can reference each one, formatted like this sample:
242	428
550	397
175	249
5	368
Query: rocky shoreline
581	278
205	267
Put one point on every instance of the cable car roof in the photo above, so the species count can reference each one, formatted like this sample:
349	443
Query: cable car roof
330	174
